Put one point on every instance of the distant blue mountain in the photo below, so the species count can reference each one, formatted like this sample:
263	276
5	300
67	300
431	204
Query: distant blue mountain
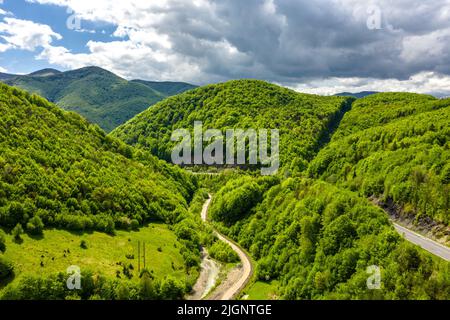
358	95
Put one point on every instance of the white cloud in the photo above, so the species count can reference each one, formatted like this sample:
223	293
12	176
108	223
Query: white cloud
116	12
426	47
5	13
3	70
144	52
424	82
25	35
135	59
288	42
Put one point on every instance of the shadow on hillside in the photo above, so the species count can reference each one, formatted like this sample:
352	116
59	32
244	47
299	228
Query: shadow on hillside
7	280
18	240
79	233
36	236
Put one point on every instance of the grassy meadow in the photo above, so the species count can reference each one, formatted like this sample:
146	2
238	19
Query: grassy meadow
56	250
262	290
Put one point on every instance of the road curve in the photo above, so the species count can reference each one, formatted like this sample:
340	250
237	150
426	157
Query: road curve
247	267
427	244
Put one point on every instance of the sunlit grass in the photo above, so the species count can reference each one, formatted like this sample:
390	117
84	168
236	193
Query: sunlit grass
59	249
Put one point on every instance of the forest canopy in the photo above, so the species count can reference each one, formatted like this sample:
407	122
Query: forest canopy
395	147
304	121
318	240
56	166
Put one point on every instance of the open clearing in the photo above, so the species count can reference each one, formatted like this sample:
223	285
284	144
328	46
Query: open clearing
261	291
59	249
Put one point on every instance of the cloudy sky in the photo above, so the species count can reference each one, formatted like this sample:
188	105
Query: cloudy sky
318	46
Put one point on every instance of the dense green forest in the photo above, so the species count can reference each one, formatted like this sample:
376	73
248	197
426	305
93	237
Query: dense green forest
393	146
304	121
59	167
58	170
98	95
382	108
311	229
389	145
95	287
317	240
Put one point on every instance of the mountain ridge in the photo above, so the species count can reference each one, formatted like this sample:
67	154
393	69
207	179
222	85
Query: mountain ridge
357	95
242	104
96	93
168	87
45	72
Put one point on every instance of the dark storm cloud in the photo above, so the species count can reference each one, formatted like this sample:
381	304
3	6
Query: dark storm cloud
285	41
292	40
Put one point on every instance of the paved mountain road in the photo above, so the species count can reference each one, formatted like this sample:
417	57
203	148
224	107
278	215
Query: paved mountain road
238	278
427	244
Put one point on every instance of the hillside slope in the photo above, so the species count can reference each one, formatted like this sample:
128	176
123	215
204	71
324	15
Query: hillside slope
317	241
383	108
57	166
304	121
168	88
98	95
4	76
357	95
45	73
394	147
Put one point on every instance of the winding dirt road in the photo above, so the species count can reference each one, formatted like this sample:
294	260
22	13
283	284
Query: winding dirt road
207	279
238	278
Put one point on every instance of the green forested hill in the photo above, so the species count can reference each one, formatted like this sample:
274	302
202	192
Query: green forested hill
357	95
313	233
57	166
304	120
45	72
317	241
4	76
99	95
389	145
380	109
59	172
393	146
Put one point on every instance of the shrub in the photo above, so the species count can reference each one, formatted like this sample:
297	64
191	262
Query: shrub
35	226
123	291
172	289
134	224
223	252
2	241
83	244
17	232
6	268
147	286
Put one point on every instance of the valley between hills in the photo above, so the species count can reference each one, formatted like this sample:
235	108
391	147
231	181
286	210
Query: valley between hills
87	179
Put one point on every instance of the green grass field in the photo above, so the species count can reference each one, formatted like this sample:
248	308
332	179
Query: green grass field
58	249
262	290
